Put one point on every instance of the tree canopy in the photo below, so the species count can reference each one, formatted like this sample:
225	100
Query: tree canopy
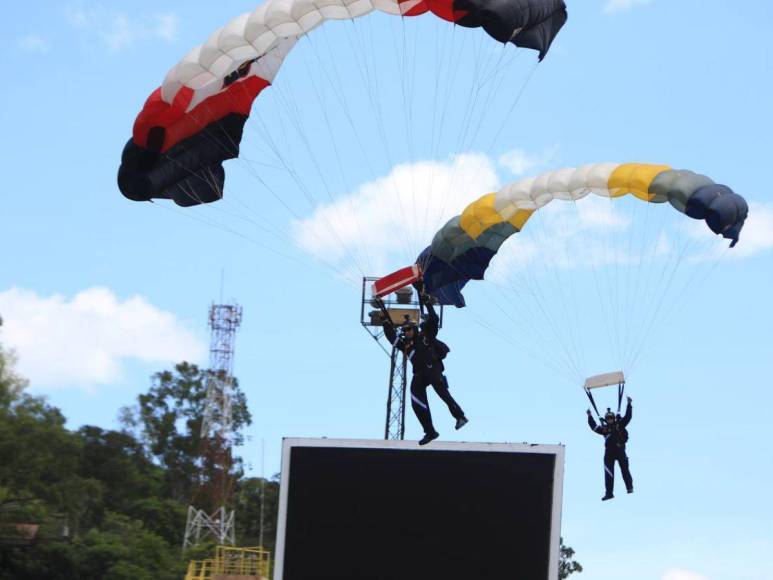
102	504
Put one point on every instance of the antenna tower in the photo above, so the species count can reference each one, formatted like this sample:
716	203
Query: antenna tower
215	517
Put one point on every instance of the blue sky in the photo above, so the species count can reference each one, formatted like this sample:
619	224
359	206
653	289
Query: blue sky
98	292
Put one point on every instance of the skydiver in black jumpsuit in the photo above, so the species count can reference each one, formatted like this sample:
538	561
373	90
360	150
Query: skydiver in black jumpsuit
419	346
613	428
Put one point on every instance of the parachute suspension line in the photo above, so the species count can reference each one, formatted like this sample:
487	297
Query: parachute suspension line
551	273
627	301
682	296
256	175
536	294
369	78
534	306
521	347
435	146
504	121
354	213
340	96
604	305
218	226
214	184
302	133
613	280
406	85
294	117
644	273
528	320
564	281
458	141
494	80
512	108
649	277
466	135
629	294
436	131
335	84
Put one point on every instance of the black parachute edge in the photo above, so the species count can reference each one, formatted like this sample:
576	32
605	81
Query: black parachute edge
530	24
190	173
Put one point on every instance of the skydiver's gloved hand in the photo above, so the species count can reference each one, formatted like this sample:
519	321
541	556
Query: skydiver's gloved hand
419	285
630	400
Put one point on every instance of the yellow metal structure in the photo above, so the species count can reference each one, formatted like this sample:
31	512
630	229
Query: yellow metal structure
232	563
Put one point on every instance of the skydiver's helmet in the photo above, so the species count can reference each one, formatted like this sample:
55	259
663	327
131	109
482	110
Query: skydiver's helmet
609	417
409	326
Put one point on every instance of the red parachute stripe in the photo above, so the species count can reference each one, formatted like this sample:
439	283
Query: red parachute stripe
180	125
237	98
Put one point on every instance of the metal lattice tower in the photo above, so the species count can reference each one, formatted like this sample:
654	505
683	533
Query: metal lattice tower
402	305
398	382
214	518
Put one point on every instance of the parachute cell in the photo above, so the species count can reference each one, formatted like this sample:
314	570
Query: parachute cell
194	121
463	248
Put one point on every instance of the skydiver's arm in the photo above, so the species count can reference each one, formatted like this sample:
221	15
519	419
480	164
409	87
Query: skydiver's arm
592	424
390	332
431	328
389	328
628	413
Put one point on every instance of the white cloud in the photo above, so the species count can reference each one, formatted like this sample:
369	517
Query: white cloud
397	214
570	236
84	341
34	43
166	26
757	233
678	574
383	224
613	6
77	15
520	162
117	30
119	33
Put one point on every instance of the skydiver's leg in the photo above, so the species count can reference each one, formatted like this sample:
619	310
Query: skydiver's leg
609	475
420	404
622	459
440	384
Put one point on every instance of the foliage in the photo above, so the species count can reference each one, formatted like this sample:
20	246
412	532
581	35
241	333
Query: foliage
167	420
249	497
111	505
567	565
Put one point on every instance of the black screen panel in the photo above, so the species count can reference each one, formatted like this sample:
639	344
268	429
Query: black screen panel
403	514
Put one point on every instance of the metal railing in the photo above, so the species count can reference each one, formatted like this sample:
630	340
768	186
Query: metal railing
230	561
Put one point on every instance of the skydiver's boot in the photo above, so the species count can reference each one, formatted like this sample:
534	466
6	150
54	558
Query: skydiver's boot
429	437
461	422
607	496
630	490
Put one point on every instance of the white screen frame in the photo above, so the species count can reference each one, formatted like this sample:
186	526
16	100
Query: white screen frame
558	480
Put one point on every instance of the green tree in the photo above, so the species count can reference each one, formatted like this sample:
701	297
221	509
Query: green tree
249	498
167	419
567	565
94	498
39	458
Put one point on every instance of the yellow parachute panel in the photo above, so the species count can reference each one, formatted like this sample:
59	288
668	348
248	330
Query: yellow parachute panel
634	178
